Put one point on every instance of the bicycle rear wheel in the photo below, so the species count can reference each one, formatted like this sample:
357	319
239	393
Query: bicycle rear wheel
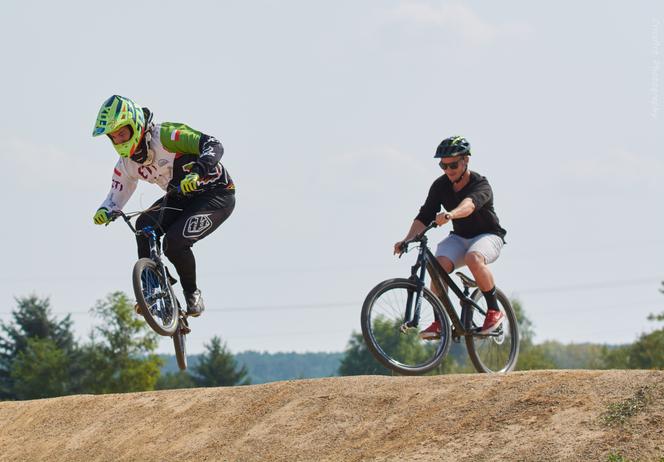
496	352
394	345
155	298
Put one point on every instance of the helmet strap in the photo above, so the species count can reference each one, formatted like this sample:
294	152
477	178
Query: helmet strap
461	177
143	154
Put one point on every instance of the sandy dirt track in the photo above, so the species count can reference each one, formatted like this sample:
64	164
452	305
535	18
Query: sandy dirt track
539	415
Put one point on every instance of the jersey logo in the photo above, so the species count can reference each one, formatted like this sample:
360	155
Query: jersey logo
146	171
196	226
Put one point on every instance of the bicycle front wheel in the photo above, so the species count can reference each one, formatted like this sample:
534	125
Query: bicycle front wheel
395	344
155	298
498	351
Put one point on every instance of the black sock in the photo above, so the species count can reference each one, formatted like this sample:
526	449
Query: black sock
490	297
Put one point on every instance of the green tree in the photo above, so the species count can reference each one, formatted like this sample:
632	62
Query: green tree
33	320
531	356
646	353
40	370
217	367
119	356
358	360
173	380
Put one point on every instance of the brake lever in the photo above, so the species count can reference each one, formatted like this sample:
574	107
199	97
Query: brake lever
404	249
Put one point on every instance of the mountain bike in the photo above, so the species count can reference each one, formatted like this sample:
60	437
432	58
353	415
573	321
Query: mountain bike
396	310
155	297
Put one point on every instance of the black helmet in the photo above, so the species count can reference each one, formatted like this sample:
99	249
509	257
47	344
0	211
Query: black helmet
453	146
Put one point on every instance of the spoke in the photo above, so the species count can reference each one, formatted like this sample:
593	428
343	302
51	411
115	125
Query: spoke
389	307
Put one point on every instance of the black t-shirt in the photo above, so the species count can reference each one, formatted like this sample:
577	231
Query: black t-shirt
482	220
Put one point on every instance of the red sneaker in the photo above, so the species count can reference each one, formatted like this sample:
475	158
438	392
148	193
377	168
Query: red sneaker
432	332
492	321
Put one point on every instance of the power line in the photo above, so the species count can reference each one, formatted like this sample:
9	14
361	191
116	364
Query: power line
319	305
250	308
596	285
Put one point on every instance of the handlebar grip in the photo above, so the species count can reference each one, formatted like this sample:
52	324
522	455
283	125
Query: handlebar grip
112	216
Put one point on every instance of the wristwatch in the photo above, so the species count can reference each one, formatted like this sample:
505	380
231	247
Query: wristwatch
447	216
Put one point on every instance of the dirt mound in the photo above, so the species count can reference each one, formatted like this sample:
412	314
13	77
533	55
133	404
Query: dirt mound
543	415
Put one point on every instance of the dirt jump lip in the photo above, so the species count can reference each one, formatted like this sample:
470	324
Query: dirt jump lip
536	415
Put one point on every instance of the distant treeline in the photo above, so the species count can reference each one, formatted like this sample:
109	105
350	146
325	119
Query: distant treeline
263	367
40	356
271	367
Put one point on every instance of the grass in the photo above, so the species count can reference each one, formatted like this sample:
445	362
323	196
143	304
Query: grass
618	413
613	457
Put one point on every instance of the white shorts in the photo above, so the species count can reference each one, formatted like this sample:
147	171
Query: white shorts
456	247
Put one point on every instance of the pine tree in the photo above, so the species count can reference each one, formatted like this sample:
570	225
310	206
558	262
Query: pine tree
32	321
217	367
41	370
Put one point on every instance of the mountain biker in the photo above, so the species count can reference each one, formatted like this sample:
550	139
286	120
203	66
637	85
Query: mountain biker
476	238
170	155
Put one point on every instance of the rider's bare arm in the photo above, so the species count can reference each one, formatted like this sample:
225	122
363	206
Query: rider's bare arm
465	208
416	228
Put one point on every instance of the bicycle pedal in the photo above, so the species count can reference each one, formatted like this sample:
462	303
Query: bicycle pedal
184	325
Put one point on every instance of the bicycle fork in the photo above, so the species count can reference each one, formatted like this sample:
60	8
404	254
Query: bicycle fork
414	299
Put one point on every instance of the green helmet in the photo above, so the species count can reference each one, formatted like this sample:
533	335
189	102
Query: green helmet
115	113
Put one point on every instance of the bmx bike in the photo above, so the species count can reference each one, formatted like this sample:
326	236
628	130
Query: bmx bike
154	293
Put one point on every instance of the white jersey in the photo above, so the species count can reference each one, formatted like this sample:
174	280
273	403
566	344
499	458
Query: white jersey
127	173
174	150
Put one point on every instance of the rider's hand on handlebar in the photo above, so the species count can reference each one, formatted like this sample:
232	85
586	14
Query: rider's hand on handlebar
189	183
102	216
443	218
399	248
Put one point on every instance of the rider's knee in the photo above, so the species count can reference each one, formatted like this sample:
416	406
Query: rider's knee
474	260
174	245
142	221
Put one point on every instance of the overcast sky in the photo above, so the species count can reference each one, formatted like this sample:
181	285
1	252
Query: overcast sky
330	113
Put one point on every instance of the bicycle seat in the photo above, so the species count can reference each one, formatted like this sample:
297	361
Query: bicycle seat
466	280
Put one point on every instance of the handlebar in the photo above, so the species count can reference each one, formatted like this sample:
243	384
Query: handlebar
417	238
114	215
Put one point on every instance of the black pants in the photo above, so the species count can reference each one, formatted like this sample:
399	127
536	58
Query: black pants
195	218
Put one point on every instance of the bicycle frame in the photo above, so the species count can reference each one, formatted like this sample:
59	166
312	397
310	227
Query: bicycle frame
427	261
151	234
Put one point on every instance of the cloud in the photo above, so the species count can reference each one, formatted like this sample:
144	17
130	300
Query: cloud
42	167
459	19
373	169
616	169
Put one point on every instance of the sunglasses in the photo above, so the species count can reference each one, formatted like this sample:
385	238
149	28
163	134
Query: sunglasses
453	165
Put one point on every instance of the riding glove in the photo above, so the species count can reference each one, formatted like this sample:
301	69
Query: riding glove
189	183
101	217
